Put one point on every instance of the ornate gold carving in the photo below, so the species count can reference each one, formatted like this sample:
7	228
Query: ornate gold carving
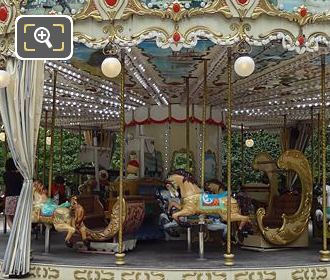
93	274
134	275
264	162
205	275
293	225
112	31
89	10
13	11
135	7
310	273
44	272
274	32
264	7
260	275
112	229
7	44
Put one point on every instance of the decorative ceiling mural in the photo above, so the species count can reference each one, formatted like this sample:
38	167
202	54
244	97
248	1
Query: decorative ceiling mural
173	65
44	7
163	4
283	82
313	6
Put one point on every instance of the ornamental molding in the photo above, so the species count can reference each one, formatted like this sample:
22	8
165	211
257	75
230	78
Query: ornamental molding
177	26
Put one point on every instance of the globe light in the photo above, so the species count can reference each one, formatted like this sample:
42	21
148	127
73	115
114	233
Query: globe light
2	136
244	66
111	67
249	143
4	78
48	140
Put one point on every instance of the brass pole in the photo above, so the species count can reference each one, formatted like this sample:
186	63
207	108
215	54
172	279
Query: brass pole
5	151
51	150
45	150
312	143
120	256
318	150
80	136
285	147
228	256
61	151
242	155
187	125
204	125
36	163
324	254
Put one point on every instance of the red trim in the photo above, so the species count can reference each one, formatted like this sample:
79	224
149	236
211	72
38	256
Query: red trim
174	120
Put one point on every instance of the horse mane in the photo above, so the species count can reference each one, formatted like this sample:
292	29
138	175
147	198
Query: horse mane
187	176
216	182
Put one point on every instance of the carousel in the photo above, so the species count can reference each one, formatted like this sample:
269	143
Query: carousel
170	83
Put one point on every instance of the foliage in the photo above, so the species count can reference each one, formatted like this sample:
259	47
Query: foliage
70	151
263	142
115	161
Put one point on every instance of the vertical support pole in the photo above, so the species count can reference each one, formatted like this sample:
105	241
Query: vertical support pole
228	256
220	152
324	253
242	155
45	149
52	131
318	149
204	124
285	147
47	239
61	151
312	143
5	151
201	240
36	164
80	136
189	239
120	256
51	160
187	125
96	161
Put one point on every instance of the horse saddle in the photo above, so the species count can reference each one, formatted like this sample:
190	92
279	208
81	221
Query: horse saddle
214	201
50	206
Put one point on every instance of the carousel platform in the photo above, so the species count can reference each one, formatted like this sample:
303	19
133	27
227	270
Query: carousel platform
160	260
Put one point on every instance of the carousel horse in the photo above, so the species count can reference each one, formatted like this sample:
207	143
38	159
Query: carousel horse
68	217
45	211
194	201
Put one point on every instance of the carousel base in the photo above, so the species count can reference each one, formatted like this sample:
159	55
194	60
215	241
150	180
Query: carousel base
258	243
158	260
106	247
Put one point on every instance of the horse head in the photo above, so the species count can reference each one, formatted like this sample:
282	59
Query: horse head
176	182
39	192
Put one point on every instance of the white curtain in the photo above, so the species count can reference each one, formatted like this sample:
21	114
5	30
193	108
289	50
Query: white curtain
20	107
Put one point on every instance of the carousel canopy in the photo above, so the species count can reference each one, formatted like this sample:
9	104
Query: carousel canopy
283	83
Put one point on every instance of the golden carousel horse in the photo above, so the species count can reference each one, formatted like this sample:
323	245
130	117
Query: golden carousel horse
194	201
61	216
68	217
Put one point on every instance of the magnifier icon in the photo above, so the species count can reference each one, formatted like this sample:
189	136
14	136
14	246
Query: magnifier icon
41	35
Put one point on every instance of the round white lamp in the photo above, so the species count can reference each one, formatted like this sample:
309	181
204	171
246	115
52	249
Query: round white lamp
244	66
111	67
2	136
4	78
249	143
48	140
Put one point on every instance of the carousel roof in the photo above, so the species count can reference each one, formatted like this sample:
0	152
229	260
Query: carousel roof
283	83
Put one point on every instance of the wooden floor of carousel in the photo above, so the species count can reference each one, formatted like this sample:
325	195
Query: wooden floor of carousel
160	260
